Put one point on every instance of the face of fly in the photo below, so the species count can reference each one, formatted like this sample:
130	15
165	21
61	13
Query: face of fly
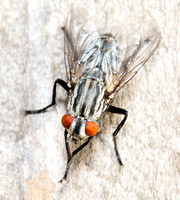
78	127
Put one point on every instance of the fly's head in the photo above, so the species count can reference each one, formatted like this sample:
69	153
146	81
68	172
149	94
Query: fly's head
78	127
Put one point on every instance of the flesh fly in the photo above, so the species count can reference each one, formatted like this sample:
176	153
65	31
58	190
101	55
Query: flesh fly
97	68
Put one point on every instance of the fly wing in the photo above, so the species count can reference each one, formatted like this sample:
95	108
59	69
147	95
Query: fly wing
79	34
130	61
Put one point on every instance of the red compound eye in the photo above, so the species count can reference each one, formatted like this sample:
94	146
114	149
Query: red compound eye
91	128
67	121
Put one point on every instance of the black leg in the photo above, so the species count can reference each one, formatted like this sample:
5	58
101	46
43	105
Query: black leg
124	112
61	83
71	155
67	145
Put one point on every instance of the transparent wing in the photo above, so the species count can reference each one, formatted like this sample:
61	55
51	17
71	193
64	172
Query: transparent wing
79	35
130	61
85	48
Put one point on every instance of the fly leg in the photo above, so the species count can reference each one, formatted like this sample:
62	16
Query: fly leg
61	83
124	112
71	155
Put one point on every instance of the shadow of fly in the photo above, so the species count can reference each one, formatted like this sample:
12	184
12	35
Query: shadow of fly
97	68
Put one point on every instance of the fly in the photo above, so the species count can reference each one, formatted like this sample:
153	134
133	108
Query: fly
97	68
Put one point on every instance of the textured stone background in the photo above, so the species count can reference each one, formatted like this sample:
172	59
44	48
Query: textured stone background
32	151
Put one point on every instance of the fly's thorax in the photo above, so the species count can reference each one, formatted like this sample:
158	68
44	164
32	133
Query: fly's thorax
87	99
108	38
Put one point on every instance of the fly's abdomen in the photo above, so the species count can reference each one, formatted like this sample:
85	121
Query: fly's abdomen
87	98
